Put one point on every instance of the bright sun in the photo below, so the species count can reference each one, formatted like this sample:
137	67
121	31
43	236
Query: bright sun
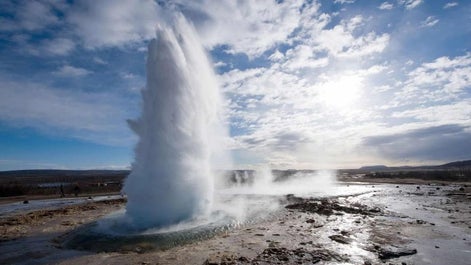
341	93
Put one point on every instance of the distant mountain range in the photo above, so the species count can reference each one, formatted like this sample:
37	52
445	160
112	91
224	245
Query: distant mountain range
112	174
62	173
466	164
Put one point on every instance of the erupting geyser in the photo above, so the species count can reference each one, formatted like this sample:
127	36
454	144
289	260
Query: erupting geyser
179	130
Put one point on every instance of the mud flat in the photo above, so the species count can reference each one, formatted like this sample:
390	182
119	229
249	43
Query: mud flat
384	224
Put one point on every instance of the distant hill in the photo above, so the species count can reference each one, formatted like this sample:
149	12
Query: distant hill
36	176
458	164
466	164
47	182
453	171
374	168
60	173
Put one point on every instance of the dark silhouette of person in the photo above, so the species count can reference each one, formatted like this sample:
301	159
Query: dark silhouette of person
62	191
76	190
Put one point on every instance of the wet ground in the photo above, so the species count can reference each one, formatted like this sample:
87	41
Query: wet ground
23	206
365	224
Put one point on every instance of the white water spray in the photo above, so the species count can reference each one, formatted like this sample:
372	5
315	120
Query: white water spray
179	132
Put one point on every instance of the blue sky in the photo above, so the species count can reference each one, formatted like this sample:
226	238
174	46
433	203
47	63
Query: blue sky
308	84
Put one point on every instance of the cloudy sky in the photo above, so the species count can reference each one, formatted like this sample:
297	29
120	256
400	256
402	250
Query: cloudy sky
308	84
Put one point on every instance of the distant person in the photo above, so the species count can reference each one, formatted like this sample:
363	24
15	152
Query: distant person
62	191
76	190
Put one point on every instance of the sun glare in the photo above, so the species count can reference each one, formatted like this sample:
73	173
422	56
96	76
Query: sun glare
341	93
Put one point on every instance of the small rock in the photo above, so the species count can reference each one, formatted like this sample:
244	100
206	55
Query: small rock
437	247
138	250
395	253
243	259
272	244
341	239
375	210
25	202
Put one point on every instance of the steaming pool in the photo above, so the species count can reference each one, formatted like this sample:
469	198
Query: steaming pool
234	208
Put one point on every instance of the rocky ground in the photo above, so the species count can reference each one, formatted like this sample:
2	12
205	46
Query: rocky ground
386	224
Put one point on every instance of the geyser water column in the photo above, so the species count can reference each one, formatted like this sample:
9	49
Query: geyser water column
179	131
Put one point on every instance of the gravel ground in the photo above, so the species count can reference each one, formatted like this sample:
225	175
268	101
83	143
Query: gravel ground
386	224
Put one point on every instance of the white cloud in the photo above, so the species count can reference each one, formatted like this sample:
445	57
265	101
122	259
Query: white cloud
114	23
219	64
456	113
302	56
276	56
244	26
98	60
340	41
444	75
58	46
250	27
30	15
48	47
126	75
443	143
287	117
434	83
97	117
430	21
446	63
289	110
410	4
71	71
344	1
450	5
386	6
290	118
